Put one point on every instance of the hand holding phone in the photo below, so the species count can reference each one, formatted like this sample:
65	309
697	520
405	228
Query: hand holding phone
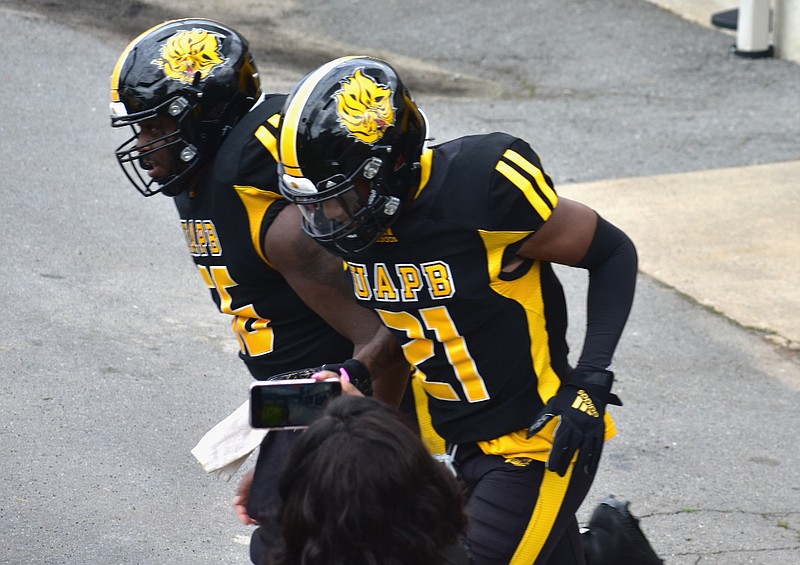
290	404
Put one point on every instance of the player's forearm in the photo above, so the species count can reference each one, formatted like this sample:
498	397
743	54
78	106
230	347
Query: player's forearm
612	263
383	356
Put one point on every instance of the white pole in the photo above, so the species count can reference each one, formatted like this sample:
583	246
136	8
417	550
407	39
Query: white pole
786	29
752	29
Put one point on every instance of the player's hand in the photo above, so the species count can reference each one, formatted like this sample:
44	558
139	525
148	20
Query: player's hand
348	388
579	407
357	374
240	500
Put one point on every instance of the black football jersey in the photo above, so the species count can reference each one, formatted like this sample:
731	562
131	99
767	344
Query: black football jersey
224	220
490	345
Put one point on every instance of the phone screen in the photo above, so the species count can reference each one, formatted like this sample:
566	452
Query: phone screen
292	404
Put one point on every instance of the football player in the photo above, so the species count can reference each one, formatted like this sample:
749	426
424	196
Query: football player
205	134
452	246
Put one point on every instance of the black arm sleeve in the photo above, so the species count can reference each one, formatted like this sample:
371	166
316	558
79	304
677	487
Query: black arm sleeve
612	263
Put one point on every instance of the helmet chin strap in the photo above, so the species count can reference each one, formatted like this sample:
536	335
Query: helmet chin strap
174	189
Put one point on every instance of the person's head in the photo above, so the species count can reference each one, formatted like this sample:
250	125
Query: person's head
359	487
181	86
350	146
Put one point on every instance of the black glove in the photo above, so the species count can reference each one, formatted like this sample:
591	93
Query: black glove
579	406
357	371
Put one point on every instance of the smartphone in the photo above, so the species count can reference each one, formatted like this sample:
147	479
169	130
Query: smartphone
290	404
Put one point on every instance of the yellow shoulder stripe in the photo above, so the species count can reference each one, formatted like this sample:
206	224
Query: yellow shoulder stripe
542	204
256	202
266	137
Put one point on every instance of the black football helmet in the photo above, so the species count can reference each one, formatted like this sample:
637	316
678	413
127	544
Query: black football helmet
350	146
198	72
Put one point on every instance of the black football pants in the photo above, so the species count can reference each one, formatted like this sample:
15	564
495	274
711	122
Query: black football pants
521	514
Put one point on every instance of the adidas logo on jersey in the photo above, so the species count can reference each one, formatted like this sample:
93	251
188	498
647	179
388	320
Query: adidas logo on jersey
583	402
387	237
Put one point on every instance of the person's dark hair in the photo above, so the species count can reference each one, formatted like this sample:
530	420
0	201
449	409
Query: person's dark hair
359	487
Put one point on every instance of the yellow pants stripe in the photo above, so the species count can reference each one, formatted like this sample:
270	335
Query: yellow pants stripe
551	496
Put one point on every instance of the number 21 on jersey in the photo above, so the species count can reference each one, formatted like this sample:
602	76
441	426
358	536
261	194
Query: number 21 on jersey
421	348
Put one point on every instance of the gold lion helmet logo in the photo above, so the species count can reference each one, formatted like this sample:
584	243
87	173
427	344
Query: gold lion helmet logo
364	107
190	52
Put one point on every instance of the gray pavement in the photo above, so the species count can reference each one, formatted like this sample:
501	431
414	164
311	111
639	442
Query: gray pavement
114	363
